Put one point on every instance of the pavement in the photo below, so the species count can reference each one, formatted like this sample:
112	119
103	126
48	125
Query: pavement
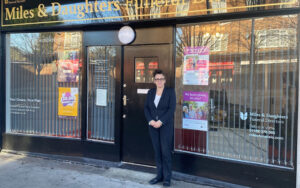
34	171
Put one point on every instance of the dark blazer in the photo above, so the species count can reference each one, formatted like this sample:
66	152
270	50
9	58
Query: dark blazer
165	108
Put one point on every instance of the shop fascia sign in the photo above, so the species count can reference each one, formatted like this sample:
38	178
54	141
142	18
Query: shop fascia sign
57	9
80	9
22	12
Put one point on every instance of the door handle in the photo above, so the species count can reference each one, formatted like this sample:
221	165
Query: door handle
125	100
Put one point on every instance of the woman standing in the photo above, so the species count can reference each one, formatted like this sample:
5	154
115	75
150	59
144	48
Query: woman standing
159	111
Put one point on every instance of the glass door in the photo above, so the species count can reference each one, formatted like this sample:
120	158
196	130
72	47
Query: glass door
101	66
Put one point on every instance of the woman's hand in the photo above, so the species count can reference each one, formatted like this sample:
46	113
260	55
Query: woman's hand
157	124
152	122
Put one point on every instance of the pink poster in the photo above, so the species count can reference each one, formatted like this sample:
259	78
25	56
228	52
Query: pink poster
195	110
196	65
68	68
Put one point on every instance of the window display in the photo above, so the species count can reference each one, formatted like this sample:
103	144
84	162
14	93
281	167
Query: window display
244	106
43	78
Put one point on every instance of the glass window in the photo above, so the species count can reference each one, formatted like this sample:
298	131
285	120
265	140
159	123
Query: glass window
144	68
238	92
183	9
286	4
132	12
276	38
255	4
43	83
219	6
154	12
102	62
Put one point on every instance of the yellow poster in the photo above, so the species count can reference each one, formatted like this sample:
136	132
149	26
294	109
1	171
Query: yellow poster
67	101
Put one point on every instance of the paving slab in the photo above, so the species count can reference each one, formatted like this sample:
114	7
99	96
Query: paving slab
23	171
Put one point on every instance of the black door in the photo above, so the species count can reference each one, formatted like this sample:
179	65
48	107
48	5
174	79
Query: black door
139	63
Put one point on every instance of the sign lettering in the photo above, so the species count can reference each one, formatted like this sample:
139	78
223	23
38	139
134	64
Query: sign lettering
20	12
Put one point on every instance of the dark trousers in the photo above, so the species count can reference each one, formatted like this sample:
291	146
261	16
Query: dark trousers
162	140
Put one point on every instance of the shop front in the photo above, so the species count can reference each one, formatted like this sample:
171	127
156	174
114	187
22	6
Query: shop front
75	76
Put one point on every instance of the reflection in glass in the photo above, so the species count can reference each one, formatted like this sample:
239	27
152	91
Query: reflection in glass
251	90
144	68
85	12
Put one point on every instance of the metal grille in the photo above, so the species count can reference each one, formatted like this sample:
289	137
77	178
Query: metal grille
32	84
101	92
253	73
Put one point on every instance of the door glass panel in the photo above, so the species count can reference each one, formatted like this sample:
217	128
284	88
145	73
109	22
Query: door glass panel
101	92
144	68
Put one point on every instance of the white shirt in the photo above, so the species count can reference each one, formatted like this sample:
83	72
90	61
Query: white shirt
156	100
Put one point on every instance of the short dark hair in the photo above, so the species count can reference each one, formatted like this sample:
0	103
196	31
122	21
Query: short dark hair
158	71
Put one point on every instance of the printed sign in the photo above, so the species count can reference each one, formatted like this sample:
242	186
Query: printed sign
25	12
196	65
68	69
142	91
265	125
101	97
67	101
195	110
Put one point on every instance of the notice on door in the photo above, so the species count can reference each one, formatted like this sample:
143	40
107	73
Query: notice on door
101	97
142	91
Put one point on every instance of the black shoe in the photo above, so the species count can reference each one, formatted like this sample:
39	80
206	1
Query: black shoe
155	181
167	183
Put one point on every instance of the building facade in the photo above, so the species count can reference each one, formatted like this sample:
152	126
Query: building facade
72	87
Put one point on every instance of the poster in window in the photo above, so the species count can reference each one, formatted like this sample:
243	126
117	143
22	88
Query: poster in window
196	65
195	110
68	67
67	102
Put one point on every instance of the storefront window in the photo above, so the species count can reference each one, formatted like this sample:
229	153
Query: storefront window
102	62
43	83
237	84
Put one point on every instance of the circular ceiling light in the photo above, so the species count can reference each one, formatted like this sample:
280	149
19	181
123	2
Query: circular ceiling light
126	35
